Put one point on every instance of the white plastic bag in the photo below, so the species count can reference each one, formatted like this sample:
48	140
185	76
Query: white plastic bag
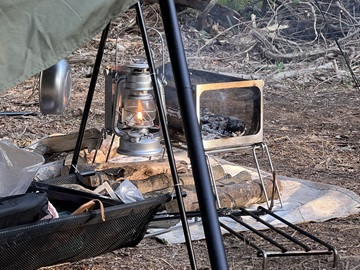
18	167
128	192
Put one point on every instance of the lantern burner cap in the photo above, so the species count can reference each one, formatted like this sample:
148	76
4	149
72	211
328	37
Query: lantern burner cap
138	66
140	146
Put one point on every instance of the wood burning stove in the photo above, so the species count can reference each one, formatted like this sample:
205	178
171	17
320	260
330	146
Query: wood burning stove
230	115
229	109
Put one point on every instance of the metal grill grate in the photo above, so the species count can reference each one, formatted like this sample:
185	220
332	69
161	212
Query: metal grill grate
275	242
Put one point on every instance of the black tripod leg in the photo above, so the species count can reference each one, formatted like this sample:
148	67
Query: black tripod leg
89	99
162	116
201	175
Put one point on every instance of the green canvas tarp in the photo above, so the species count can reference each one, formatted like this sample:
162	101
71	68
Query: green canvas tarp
36	34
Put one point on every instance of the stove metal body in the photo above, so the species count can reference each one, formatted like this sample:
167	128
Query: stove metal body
240	100
219	100
230	116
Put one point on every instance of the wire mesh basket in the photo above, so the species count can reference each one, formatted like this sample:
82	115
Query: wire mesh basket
76	237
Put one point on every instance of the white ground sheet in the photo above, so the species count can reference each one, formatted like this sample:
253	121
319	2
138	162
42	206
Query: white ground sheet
303	201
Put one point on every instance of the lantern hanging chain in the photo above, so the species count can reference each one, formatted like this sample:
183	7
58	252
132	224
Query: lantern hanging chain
356	81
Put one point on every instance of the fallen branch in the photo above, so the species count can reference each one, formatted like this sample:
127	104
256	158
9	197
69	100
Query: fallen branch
209	41
301	72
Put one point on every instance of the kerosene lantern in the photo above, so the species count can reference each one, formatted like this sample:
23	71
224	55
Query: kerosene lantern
134	114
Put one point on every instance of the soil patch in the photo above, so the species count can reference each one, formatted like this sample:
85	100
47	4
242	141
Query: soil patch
311	125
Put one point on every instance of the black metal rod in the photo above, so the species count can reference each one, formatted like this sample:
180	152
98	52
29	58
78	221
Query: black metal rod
191	214
18	113
241	237
298	253
196	153
289	237
89	98
259	233
163	123
297	228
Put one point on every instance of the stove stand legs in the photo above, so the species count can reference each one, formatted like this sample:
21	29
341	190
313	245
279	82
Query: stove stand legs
213	183
275	187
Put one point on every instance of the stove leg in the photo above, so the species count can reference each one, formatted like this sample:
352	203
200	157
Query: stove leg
264	147
212	178
110	147
275	184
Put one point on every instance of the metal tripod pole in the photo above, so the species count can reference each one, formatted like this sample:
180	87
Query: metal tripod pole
193	136
163	122
89	99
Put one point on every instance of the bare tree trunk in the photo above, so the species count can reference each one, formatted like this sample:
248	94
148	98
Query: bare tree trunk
201	24
223	15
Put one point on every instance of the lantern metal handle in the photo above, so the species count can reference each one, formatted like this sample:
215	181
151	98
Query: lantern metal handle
163	78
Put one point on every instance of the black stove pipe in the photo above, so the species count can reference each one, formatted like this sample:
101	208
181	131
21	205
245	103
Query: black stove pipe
193	136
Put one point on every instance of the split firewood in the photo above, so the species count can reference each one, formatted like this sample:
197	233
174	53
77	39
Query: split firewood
147	176
132	171
78	187
49	170
102	153
162	181
142	170
154	177
230	196
66	142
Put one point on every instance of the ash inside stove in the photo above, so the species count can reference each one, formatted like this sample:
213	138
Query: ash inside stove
214	126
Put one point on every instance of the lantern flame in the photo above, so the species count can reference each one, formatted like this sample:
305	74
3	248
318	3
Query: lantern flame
140	116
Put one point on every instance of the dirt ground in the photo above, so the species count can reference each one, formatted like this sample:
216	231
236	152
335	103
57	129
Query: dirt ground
311	125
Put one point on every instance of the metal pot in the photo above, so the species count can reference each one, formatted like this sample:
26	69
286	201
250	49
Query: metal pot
55	88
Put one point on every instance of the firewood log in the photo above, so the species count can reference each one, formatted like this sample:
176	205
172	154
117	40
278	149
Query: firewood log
102	153
66	143
154	177
147	176
161	181
230	196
